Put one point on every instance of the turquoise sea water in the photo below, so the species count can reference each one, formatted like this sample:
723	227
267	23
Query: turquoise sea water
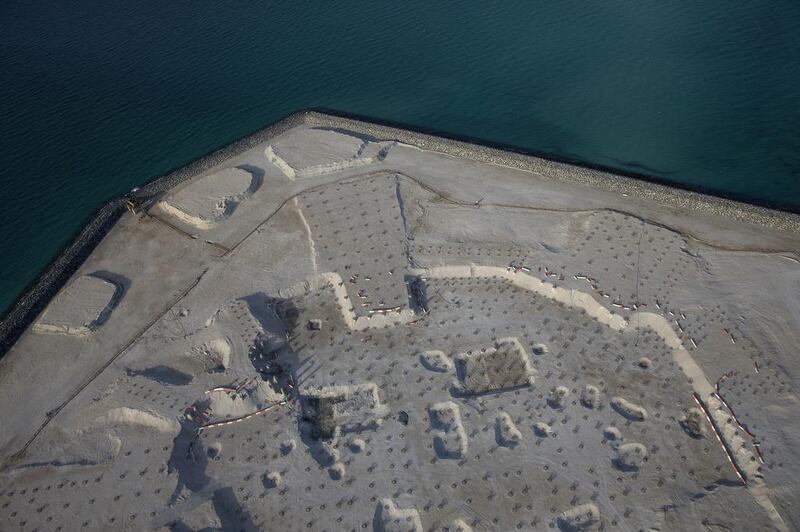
97	97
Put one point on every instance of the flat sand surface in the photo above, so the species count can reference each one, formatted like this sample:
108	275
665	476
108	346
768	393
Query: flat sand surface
339	331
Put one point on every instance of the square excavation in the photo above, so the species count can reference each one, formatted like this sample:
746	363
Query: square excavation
503	366
396	332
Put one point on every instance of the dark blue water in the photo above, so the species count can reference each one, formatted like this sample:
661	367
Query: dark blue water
97	97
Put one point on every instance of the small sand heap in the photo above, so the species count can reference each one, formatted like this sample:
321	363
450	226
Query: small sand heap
273	479
218	351
214	450
694	423
629	410
357	445
558	396
225	405
590	396
540	349
542	429
90	447
630	456
508	434
449	436
206	201
457	525
336	471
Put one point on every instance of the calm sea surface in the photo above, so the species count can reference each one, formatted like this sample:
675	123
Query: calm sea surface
97	97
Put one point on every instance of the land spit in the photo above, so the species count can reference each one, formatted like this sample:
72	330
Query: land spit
336	325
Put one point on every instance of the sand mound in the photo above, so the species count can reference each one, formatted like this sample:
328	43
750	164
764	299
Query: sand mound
590	396
436	361
121	417
390	518
504	366
288	446
508	434
694	423
83	306
208	200
629	410
612	434
579	518
542	429
357	445
232	336
273	479
540	350
329	453
558	397
630	456
449	436
325	452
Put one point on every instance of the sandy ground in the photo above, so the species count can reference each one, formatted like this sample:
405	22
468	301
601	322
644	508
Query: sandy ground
336	332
